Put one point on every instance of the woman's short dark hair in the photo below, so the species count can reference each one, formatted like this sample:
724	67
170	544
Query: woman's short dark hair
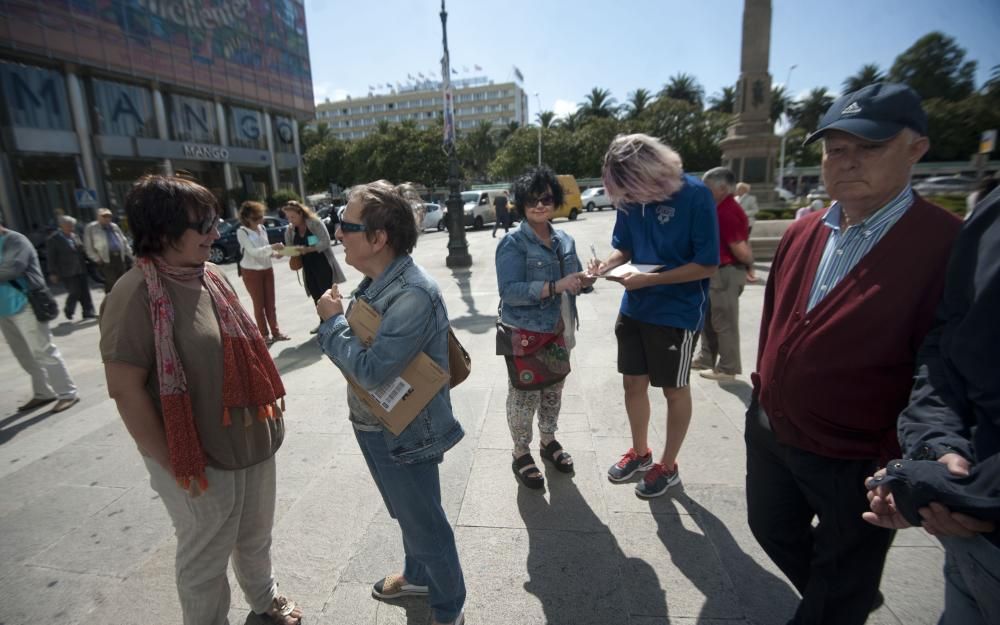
533	184
160	208
389	207
250	210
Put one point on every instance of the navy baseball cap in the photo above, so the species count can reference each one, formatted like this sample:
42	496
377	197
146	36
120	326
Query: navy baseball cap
877	112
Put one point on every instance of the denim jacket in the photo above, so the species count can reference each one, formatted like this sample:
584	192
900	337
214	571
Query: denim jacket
524	265
414	320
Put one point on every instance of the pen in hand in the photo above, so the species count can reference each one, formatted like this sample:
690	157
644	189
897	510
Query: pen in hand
594	269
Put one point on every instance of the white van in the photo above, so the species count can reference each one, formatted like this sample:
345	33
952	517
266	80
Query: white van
479	209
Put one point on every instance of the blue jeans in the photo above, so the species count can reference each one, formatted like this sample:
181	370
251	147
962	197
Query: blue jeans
412	494
972	581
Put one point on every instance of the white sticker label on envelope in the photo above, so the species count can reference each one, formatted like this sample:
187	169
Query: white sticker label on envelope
391	393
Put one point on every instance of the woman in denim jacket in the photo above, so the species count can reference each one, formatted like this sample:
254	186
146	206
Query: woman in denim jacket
539	275
379	232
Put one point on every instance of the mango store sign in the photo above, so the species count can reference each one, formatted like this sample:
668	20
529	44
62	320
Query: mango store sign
206	152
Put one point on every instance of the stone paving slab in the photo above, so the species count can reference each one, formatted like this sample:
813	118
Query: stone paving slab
583	551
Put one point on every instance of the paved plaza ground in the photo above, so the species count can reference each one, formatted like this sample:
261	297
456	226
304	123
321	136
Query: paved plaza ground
84	539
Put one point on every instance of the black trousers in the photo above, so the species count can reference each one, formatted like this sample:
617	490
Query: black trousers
113	270
78	290
836	565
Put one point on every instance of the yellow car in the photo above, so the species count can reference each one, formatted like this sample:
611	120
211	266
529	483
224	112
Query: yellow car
572	204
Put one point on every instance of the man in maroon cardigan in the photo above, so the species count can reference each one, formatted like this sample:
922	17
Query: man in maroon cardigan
851	294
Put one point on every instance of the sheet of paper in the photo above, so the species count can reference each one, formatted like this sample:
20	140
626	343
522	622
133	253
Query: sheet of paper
621	270
289	251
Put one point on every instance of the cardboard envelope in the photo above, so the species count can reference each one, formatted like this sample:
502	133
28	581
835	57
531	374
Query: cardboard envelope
397	402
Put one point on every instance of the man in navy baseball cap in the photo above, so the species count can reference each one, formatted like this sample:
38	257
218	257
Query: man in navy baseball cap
877	112
851	294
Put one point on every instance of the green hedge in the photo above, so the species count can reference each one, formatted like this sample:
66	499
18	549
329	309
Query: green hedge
953	203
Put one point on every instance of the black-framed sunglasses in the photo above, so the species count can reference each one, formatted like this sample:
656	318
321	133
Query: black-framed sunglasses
348	226
546	200
205	225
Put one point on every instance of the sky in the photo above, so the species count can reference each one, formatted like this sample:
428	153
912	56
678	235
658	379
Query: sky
564	48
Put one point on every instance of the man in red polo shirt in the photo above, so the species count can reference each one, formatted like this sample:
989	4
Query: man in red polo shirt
720	337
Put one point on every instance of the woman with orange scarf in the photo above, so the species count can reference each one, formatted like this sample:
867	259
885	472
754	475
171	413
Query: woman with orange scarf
199	393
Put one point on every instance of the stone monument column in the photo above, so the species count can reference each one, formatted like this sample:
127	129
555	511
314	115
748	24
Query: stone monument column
750	146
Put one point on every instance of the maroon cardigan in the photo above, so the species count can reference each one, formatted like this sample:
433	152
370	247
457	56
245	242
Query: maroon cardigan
833	380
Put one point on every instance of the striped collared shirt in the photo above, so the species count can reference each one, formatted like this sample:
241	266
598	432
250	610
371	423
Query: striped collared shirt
845	248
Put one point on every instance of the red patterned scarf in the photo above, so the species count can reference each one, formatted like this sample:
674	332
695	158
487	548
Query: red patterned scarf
250	379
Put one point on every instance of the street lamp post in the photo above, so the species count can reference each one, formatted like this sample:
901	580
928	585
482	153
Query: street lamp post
538	101
784	135
458	247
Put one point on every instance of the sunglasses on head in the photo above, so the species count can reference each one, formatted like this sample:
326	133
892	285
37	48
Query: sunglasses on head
347	226
205	225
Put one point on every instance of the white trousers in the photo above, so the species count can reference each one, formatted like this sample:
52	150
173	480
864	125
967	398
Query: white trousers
234	518
31	343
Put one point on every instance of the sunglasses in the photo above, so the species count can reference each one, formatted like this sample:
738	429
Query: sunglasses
545	200
204	226
347	226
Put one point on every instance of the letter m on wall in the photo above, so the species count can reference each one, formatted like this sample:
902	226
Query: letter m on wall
36	98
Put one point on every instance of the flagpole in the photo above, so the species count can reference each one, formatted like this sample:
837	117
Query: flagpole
458	247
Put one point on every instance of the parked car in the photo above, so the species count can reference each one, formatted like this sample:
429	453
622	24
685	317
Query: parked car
478	208
595	197
945	185
572	204
433	214
227	247
818	193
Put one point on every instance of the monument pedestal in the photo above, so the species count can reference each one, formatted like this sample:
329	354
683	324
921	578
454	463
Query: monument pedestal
753	159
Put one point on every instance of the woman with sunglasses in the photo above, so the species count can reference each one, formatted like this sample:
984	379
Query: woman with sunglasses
256	269
307	232
539	276
378	233
197	389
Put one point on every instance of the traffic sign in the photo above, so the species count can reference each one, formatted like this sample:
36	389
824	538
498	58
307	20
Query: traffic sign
987	141
86	198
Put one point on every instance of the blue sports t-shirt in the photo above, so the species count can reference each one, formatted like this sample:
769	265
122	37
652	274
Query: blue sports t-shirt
679	230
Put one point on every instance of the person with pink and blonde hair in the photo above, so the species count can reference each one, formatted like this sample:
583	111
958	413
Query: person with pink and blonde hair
667	222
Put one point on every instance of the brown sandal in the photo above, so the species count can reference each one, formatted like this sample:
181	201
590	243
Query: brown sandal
283	612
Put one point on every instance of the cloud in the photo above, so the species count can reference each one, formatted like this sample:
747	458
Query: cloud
562	108
324	90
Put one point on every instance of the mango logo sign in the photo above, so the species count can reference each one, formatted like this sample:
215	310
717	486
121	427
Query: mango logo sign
206	152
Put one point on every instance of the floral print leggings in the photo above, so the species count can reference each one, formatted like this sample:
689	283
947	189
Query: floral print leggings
521	408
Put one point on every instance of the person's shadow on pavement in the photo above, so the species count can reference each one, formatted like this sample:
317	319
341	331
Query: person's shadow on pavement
760	596
474	321
575	564
298	356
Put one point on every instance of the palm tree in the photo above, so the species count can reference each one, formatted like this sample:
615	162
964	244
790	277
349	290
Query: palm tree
684	87
869	74
506	131
723	102
598	103
545	118
808	111
638	100
781	102
573	120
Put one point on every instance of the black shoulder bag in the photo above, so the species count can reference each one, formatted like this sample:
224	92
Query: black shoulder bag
42	303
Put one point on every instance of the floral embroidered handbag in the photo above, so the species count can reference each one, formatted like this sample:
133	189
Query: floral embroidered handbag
534	359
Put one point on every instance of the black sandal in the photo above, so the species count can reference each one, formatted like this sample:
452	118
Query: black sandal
527	472
554	453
